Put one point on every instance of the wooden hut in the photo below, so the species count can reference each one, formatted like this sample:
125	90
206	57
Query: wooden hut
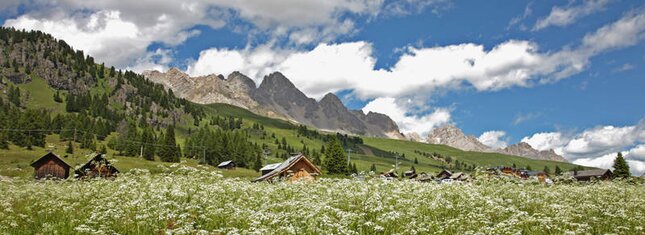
444	174
600	174
295	168
98	166
227	165
50	166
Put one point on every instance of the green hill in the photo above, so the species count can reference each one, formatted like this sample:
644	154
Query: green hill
52	95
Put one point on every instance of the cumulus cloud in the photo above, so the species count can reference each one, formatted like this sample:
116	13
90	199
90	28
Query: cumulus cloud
563	16
494	139
597	146
418	123
119	34
520	118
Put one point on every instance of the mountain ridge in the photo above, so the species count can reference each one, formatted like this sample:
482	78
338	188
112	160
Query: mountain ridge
453	136
277	97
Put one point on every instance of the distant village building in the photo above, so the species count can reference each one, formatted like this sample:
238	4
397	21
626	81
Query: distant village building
410	174
227	165
50	166
444	174
389	175
98	166
586	175
459	176
424	177
295	168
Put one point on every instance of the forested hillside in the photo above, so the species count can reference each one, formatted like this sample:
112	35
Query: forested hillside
55	98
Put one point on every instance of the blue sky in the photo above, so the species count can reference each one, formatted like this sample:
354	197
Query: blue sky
566	75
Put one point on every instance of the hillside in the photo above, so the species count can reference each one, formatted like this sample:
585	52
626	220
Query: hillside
54	96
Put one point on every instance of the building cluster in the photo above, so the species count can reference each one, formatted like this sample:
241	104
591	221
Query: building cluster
51	166
445	176
584	175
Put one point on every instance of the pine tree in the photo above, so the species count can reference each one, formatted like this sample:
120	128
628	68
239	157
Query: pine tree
335	159
558	171
103	149
373	168
528	168
70	148
147	141
416	161
57	97
168	151
547	170
621	168
257	164
4	143
514	166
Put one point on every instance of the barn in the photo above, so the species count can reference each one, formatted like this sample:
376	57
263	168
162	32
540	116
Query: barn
227	165
98	166
601	174
295	168
50	166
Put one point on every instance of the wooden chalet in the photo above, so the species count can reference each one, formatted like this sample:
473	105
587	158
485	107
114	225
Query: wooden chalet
444	174
411	174
389	175
424	177
296	168
459	176
50	166
227	165
586	175
98	166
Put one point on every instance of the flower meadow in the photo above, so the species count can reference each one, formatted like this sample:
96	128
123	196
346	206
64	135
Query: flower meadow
186	200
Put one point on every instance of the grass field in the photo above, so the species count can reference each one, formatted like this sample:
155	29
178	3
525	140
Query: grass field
186	200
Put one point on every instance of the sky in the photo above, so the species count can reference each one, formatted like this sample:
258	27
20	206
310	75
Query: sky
562	75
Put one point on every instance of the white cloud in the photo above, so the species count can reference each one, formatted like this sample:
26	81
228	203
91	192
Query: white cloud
636	165
520	118
419	123
494	139
546	140
597	146
563	16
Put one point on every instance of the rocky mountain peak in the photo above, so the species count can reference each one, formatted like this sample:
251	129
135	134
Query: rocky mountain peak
526	150
331	100
452	136
276	80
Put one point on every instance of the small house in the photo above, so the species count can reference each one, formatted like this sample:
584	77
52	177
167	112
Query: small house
227	165
98	166
50	166
460	176
389	175
411	174
586	175
444	174
424	177
295	168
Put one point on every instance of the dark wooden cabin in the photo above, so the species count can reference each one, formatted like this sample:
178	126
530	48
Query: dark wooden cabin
444	174
50	166
98	166
599	174
295	168
227	165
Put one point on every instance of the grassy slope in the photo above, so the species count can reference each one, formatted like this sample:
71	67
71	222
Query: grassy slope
15	162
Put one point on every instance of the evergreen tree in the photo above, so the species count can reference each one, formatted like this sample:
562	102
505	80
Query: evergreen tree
168	149
558	171
57	97
4	143
148	141
70	148
514	166
335	159
416	161
621	168
103	149
257	164
373	168
547	170
528	168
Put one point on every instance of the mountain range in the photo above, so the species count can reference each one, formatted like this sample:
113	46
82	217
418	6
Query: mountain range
276	97
452	136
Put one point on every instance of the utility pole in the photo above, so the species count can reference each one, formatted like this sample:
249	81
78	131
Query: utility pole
141	153
349	152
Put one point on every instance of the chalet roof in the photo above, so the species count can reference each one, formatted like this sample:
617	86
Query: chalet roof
225	163
534	173
589	173
97	157
270	166
284	166
47	156
456	175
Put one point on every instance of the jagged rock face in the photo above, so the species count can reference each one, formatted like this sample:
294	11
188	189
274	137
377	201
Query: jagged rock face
276	97
234	90
413	136
454	137
525	150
